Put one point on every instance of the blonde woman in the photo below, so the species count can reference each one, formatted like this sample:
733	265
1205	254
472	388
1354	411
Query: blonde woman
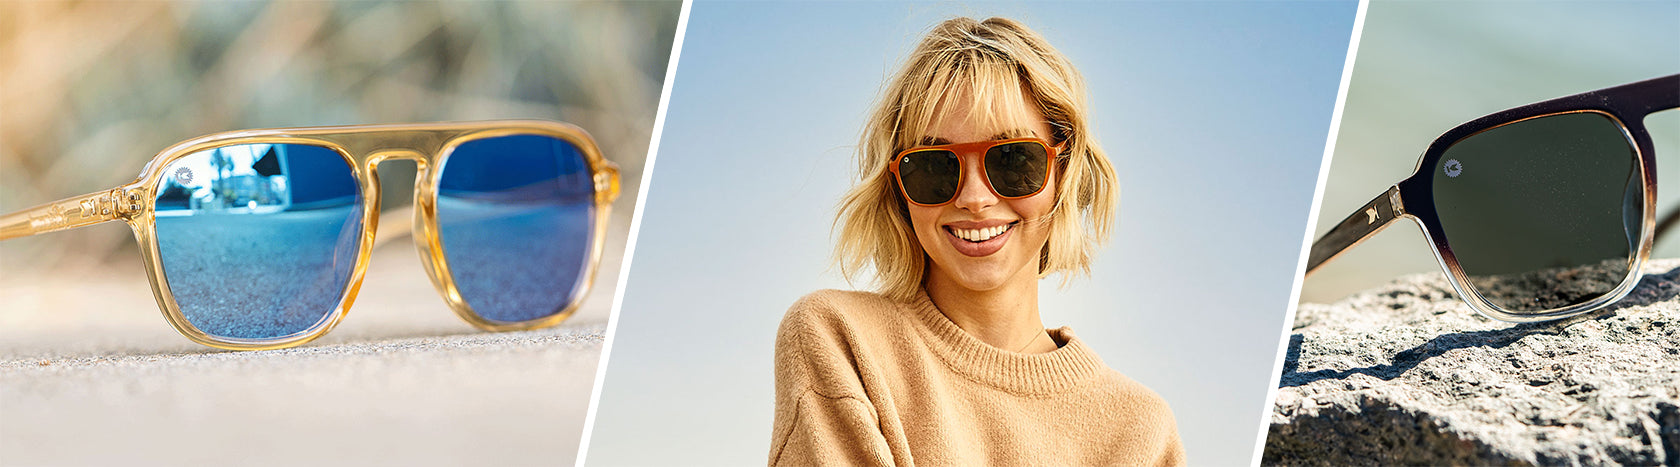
979	177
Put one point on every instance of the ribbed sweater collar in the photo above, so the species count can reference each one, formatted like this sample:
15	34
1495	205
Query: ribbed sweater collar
1066	368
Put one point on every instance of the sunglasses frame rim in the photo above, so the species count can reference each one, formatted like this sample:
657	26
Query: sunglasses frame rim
363	148
603	173
1625	105
1051	152
1417	193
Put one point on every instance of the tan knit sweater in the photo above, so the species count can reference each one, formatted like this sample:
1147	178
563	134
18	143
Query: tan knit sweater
862	380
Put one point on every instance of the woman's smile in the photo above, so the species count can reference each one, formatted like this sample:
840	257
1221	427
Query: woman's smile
979	238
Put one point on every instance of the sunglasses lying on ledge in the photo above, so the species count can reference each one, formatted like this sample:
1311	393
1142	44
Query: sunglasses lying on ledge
258	239
1536	213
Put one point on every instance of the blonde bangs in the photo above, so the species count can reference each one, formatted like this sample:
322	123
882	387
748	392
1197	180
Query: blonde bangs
968	75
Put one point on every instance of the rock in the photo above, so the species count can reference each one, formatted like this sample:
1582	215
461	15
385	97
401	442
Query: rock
1408	374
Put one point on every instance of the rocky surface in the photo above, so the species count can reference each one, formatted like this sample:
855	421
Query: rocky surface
1408	374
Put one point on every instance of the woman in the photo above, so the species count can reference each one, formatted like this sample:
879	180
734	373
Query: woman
979	178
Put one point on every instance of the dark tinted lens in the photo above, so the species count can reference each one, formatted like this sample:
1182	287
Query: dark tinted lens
258	241
1017	169
516	217
1543	213
930	177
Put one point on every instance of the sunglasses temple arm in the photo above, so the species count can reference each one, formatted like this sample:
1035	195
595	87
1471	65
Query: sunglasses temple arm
65	214
1369	220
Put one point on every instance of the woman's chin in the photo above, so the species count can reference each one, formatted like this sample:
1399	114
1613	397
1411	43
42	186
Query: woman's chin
978	277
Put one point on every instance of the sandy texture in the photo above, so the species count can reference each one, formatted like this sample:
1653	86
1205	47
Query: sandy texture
91	374
1407	374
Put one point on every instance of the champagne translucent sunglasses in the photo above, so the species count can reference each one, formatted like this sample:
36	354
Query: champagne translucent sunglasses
258	239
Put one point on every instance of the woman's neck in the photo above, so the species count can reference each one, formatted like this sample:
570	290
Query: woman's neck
1005	317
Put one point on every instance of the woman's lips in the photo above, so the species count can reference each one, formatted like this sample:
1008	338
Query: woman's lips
979	239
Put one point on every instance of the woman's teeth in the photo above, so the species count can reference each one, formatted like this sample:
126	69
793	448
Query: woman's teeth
980	235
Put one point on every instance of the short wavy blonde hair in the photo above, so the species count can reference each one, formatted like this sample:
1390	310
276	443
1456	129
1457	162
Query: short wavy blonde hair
983	61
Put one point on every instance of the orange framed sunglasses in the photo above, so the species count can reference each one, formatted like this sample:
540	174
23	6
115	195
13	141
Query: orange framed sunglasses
1011	168
258	239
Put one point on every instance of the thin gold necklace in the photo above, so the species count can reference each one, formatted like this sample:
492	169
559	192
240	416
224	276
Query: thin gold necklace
1031	342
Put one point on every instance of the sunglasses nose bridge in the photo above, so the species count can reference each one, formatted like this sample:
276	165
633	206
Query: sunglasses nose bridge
420	160
400	221
418	220
381	156
975	192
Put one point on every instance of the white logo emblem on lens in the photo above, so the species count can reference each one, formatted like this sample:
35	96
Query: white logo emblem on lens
183	175
1453	168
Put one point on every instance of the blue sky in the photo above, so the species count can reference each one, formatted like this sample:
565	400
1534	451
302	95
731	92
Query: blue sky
1214	113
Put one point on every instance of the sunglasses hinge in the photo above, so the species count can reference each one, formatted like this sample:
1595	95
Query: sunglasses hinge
1394	201
606	183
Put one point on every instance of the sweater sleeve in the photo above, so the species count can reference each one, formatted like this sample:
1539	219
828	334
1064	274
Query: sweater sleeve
823	416
1171	447
829	431
1173	455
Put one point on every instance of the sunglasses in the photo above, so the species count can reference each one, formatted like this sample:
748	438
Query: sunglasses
1012	168
1536	213
258	239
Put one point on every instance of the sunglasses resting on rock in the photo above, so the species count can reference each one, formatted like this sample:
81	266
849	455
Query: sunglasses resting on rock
258	239
1535	213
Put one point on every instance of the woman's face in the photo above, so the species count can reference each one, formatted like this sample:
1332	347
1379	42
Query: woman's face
994	260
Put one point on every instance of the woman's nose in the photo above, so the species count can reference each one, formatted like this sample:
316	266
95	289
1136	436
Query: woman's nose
975	195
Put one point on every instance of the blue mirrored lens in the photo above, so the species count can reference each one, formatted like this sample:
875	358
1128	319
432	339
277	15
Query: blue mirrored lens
258	241
515	216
